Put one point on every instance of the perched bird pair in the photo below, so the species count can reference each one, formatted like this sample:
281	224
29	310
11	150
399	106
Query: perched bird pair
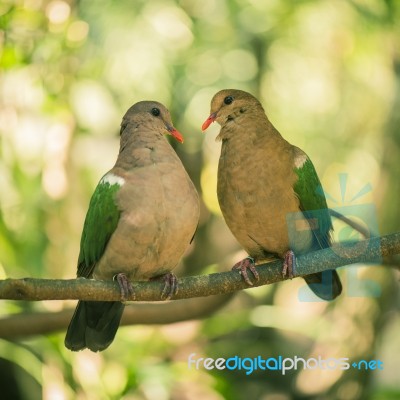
144	211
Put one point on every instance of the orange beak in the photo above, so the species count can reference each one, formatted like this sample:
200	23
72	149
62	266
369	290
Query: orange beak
209	121
176	134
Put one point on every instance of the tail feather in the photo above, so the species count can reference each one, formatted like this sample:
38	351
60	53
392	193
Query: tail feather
94	325
326	285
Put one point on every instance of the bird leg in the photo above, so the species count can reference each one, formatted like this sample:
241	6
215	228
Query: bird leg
125	286
170	287
289	265
243	266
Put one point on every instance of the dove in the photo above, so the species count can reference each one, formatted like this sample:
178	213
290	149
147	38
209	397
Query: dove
142	217
269	191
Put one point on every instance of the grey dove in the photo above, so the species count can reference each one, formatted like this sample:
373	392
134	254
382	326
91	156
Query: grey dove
141	218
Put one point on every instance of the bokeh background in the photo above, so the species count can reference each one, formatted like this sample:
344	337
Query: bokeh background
328	74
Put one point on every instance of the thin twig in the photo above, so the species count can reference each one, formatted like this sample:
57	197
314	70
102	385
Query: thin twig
353	224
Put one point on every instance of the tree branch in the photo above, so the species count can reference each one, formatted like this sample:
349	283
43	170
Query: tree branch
41	323
190	288
365	251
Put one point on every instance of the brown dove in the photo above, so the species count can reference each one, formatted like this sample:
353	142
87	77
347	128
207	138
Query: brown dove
268	190
141	218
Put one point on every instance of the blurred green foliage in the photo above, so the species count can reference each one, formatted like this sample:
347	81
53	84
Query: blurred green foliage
328	73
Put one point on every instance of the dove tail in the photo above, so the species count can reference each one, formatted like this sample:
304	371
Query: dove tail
326	285
94	325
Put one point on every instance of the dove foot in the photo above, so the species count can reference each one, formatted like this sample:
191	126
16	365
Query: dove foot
289	265
243	266
125	286
170	287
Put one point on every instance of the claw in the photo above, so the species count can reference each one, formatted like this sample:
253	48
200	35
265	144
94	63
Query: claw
243	266
289	265
125	286
170	287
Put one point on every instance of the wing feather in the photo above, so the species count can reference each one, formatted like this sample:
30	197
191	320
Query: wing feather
100	223
312	199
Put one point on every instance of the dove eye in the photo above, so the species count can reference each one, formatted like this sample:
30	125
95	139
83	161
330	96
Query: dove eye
228	100
155	111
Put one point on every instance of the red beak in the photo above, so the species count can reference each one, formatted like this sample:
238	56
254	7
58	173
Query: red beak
209	121
176	134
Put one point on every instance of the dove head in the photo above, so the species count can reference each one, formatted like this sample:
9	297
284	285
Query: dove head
230	105
154	115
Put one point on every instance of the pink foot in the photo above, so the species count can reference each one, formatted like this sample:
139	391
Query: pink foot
125	286
171	285
243	266
289	265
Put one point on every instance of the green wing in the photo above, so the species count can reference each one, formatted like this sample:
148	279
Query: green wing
309	190
100	223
